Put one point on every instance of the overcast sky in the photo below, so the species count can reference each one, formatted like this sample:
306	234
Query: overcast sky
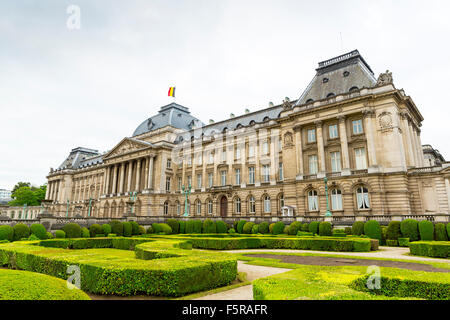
62	88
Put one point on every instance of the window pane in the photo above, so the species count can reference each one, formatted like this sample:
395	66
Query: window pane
333	131
311	135
335	161
313	164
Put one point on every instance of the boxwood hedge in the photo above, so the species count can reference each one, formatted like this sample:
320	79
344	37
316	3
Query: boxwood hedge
21	231
221	227
440	232
426	230
6	233
410	229
435	249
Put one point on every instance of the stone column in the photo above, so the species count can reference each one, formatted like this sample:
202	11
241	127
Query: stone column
420	149
244	167
412	142
344	147
47	191
371	147
122	178
204	175
320	149
114	187
411	158
299	152
138	175
447	188
150	173
130	171
106	186
274	136
257	156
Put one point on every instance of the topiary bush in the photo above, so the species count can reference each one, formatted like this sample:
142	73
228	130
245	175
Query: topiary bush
392	243
49	235
221	227
85	233
198	226
271	228
305	227
358	228
134	228
294	228
372	229
95	229
231	231
209	226
106	229
263	227
190	226
116	227
59	234
383	235
410	229
393	230
255	229
175	225
72	230
278	228
182	226
240	226
325	229
403	242
448	230
286	230
21	231
314	227
6	233
142	230
39	231
166	228
247	228
150	230
440	233
426	230
127	229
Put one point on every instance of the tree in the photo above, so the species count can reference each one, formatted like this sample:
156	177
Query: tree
20	185
31	196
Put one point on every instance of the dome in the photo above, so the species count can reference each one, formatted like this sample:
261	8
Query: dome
174	115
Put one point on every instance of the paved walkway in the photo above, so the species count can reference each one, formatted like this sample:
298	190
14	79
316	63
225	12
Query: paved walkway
245	292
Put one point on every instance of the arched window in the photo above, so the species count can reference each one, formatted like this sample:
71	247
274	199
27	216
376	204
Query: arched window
252	205
266	119
362	198
353	89
330	95
313	204
166	208
237	205
210	206
336	200
309	101
199	207
266	204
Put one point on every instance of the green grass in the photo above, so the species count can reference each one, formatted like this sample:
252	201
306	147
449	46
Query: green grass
24	285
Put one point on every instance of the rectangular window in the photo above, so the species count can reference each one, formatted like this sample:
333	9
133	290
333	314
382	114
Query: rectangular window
189	181
311	135
251	150
211	158
168	184
336	161
280	172
265	148
357	127
251	175
189	160
210	180
223	175
333	130
313	169
169	163
360	158
266	173
238	176
224	155
199	159
199	181
238	153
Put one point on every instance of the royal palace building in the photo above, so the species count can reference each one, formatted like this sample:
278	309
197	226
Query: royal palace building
350	136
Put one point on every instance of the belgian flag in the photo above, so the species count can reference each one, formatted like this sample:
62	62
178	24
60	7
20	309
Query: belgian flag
172	92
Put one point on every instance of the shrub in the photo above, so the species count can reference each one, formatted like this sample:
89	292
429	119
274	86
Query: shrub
410	229
348	230
198	225
221	227
150	230
372	229
134	228
39	231
156	228
85	233
21	231
426	230
314	227
127	229
294	228
403	242
166	228
182	226
255	229
142	230
116	227
271	227
209	226
6	233
247	228
325	229
190	226
286	230
393	231
305	227
106	229
175	225
235	223
240	226
440	232
99	235
59	234
304	234
112	235
49	235
358	228
95	229
430	249
72	230
231	231
278	228
391	243
339	233
448	230
263	227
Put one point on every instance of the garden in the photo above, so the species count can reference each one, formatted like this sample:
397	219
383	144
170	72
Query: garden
180	259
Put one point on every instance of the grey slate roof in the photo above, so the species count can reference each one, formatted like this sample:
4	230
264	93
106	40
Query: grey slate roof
330	78
173	115
80	157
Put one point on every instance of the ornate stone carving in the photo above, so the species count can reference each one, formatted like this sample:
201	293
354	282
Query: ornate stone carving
287	105
385	78
385	120
288	140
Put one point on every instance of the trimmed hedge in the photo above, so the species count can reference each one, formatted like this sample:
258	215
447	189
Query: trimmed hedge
142	230
294	228
305	227
410	229
39	231
106	229
448	230
85	233
127	229
95	229
255	229
271	228
348	231
372	229
135	228
161	228
60	234
209	226
426	230
433	249
198	225
221	227
6	233
278	228
240	226
393	231
325	229
314	227
247	228
116	227
72	230
182	226
403	242
174	225
263	227
231	231
150	230
440	232
21	231
190	226
392	243
49	235
358	228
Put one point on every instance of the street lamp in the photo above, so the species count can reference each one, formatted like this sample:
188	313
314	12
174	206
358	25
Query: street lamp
328	214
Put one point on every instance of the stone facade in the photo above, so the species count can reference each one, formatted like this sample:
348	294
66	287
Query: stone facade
364	137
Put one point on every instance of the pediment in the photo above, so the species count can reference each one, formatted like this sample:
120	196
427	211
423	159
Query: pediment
126	146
